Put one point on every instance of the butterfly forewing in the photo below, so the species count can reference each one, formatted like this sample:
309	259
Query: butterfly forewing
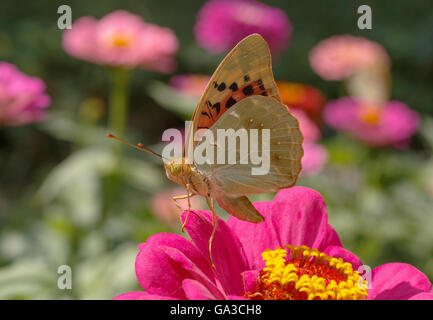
284	149
246	71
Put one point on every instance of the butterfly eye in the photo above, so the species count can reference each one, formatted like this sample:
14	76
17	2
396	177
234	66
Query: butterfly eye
175	169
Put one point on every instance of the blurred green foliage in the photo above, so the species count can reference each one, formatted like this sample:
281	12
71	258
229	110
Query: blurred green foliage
64	199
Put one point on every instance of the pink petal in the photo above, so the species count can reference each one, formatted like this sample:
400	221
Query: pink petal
300	218
194	290
186	246
193	272
397	281
141	295
227	253
165	260
340	252
251	280
232	297
296	216
79	41
422	296
256	238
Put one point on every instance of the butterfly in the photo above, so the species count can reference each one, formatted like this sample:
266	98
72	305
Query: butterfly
241	94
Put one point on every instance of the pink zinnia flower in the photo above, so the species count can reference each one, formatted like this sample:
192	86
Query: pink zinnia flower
122	39
221	24
388	124
338	57
315	155
270	260
302	96
192	85
22	98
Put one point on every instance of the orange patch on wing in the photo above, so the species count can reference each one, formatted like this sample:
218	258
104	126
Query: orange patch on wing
210	112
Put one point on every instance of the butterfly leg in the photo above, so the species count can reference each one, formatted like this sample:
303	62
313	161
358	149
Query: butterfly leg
181	198
210	203
187	196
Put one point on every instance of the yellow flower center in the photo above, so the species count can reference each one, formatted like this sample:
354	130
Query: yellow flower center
120	40
370	114
308	275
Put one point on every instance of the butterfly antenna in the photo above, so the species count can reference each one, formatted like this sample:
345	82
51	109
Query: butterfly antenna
138	146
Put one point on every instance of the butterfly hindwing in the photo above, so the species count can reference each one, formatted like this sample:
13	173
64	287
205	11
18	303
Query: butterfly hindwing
240	207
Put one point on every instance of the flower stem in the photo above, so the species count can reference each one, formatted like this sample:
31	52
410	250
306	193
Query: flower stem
118	104
117	117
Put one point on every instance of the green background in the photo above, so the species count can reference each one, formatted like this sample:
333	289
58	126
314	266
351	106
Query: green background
64	201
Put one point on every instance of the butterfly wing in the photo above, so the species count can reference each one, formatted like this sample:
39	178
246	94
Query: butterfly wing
284	148
245	71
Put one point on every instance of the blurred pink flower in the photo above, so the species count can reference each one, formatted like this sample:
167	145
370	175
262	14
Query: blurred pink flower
315	155
338	57
309	129
165	209
169	266
390	124
192	85
122	39
221	24
315	158
22	98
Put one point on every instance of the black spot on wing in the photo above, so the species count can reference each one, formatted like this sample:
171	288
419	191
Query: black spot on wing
260	83
222	86
248	90
230	102
217	106
246	78
234	87
205	114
